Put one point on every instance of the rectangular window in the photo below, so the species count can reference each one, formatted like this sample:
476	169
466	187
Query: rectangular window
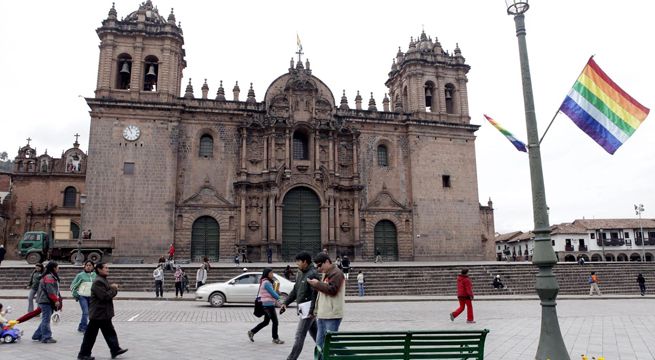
614	235
553	241
626	235
593	236
128	168
445	181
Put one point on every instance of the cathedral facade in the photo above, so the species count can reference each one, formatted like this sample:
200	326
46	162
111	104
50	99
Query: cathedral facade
296	170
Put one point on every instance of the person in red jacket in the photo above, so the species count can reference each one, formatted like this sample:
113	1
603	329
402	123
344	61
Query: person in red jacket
464	295
171	252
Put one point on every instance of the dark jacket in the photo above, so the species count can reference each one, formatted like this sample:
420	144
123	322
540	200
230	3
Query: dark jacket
48	292
2	253
302	292
464	287
35	278
102	296
641	280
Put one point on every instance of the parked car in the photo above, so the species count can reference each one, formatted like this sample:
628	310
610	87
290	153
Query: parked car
240	289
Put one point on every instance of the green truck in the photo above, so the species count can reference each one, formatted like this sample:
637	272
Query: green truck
36	244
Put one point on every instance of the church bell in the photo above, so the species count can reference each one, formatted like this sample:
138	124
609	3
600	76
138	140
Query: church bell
151	71
125	69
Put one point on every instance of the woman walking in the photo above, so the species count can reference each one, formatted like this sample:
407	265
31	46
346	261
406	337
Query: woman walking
49	299
465	296
35	278
81	291
642	284
269	298
360	283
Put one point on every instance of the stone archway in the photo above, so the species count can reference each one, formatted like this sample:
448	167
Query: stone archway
301	223
386	240
205	239
569	258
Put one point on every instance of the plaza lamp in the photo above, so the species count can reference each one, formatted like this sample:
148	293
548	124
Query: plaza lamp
638	210
551	344
79	257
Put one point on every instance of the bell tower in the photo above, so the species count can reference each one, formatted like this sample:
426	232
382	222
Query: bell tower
141	56
429	82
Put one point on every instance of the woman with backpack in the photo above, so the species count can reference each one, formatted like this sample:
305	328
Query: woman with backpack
269	298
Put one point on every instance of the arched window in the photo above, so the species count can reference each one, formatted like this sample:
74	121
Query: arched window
206	146
450	98
383	156
75	230
300	146
429	91
151	70
123	71
405	99
70	197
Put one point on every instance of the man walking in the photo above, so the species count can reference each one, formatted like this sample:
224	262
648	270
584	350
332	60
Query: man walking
305	296
158	274
593	281
269	254
2	253
642	284
330	299
100	314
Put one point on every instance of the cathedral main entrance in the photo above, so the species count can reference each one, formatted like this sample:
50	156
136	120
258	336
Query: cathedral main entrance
386	240
204	239
301	223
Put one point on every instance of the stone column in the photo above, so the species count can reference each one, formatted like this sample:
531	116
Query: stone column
356	218
336	154
271	159
355	160
336	219
324	226
287	151
242	217
331	219
264	219
317	158
265	155
271	218
331	153
243	149
278	224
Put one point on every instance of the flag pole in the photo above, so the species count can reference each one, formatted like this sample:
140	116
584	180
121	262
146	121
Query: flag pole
551	123
557	112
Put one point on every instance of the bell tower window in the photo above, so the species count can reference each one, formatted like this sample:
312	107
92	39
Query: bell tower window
300	146
124	71
429	91
151	71
450	98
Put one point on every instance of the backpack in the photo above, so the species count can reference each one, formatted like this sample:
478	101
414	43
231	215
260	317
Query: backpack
591	280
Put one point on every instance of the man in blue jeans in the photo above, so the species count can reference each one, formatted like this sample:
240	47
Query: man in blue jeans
330	299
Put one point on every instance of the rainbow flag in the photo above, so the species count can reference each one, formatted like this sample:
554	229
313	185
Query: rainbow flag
519	145
600	108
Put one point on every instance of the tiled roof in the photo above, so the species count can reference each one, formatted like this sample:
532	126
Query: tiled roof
607	224
507	236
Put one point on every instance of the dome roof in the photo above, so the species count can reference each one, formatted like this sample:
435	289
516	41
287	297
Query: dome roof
150	11
299	80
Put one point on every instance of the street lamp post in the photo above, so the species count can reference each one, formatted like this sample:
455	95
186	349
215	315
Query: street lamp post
602	243
79	257
638	210
551	343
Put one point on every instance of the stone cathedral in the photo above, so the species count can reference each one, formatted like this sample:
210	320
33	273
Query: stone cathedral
295	170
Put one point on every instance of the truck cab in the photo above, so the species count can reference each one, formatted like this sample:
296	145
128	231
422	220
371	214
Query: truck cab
32	246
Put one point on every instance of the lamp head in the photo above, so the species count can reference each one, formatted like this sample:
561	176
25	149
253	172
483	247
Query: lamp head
516	7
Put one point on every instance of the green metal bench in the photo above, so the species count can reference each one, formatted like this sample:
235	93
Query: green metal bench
403	345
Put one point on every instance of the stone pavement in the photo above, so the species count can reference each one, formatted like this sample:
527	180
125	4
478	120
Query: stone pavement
614	328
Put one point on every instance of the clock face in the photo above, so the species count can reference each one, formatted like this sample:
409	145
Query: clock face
131	132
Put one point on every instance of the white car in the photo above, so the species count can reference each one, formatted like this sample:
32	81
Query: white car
240	289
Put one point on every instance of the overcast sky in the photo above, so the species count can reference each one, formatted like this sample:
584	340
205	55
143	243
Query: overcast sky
50	57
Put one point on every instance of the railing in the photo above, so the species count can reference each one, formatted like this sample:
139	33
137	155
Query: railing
582	248
569	248
648	241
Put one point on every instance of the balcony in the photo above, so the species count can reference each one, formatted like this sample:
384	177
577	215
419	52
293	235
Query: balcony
648	241
569	247
583	248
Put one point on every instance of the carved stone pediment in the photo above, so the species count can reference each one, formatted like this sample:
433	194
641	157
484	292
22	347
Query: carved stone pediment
385	201
208	196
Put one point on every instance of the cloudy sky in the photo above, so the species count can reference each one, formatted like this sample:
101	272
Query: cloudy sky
50	58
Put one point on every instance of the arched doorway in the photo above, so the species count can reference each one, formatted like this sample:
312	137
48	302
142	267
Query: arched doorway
204	239
75	230
301	223
621	257
596	257
386	240
635	257
569	258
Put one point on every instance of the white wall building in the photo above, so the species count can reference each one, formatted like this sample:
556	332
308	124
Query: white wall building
621	240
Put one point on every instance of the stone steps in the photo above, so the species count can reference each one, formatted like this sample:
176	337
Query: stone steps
615	278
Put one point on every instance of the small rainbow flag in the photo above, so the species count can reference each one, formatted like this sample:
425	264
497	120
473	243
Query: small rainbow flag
519	145
600	108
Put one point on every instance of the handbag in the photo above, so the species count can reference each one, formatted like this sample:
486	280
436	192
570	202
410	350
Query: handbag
259	307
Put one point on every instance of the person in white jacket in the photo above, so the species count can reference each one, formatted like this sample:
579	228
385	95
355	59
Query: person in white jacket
201	276
158	274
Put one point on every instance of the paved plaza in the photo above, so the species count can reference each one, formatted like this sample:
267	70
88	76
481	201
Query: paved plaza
614	328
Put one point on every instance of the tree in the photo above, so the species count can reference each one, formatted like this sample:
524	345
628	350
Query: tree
3	155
